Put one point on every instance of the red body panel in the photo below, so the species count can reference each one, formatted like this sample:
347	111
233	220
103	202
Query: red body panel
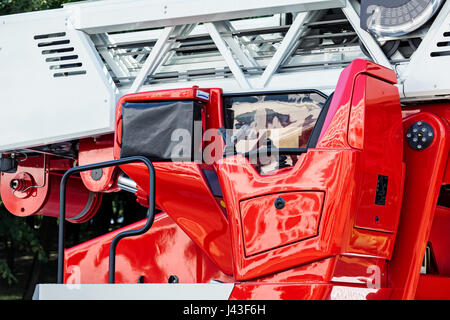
431	287
268	227
358	208
94	150
424	175
163	251
240	181
350	222
181	188
203	220
440	240
380	134
246	291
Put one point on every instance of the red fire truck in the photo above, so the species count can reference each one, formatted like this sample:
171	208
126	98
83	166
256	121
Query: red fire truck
293	149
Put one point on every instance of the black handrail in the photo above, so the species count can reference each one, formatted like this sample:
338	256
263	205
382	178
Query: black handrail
118	237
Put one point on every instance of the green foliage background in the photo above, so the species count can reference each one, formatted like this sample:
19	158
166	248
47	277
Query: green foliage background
16	232
19	6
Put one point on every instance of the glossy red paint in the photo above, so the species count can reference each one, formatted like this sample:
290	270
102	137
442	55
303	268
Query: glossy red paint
282	291
446	179
341	246
343	270
183	192
369	242
440	240
163	251
432	287
320	271
424	175
315	171
181	187
81	204
377	113
94	150
357	270
442	110
338	278
336	122
268	227
350	222
318	291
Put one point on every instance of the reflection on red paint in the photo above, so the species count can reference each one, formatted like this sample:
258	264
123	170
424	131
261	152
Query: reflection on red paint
154	255
330	240
266	227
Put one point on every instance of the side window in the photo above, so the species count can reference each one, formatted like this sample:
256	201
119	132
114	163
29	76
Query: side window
287	119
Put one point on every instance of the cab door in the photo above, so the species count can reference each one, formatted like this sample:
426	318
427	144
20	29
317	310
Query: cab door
340	192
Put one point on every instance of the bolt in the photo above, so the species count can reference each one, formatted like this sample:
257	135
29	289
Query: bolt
14	184
173	279
279	203
97	174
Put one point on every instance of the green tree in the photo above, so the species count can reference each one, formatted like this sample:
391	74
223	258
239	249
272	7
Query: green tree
16	235
19	6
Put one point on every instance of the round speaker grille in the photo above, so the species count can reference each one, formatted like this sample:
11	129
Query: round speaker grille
396	18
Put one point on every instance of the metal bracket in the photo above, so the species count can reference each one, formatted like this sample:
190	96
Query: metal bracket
118	237
165	43
225	51
287	44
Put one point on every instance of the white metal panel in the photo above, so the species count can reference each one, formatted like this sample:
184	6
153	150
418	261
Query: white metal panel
426	75
147	291
36	106
116	15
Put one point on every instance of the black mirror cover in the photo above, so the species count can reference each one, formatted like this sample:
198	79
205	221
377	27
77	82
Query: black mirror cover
162	130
